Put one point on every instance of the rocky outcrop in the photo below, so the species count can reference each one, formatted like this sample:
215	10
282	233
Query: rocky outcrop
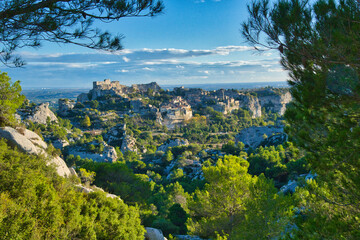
145	88
274	140
65	106
115	134
83	97
17	138
94	188
60	143
175	112
252	137
250	103
173	143
292	184
153	234
38	114
29	142
114	88
108	155
128	144
275	102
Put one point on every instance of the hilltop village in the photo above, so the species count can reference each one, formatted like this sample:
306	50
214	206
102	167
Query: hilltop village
171	108
150	146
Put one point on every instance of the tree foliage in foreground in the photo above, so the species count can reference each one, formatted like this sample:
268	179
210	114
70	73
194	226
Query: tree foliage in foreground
35	203
235	203
10	99
30	22
319	44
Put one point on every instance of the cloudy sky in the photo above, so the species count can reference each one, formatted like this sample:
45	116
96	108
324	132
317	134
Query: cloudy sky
192	42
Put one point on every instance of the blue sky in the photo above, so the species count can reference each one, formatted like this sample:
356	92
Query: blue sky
192	42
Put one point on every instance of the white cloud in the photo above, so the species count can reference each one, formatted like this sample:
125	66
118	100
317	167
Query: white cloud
146	65
148	69
126	59
122	71
276	70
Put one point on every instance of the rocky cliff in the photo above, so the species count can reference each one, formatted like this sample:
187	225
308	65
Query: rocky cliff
175	112
107	155
65	105
29	142
252	137
250	103
275	102
38	114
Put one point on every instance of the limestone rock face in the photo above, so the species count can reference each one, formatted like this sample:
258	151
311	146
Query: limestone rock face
153	234
16	139
65	105
173	143
276	103
175	112
115	134
39	114
128	144
252	104
29	142
145	87
108	155
84	97
94	188
61	167
252	137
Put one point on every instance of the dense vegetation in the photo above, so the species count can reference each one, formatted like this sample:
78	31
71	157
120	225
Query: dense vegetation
319	42
38	204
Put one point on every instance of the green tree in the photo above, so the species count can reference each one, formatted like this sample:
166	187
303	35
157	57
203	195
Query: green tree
10	99
178	217
168	157
216	207
319	43
233	200
30	22
267	214
87	177
86	122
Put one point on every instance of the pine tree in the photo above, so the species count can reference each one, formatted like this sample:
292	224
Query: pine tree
319	45
31	22
86	122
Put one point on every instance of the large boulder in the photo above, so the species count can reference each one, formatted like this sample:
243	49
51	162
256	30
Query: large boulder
153	234
29	142
17	139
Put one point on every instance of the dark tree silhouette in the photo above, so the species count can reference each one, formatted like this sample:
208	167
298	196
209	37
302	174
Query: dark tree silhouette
26	23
